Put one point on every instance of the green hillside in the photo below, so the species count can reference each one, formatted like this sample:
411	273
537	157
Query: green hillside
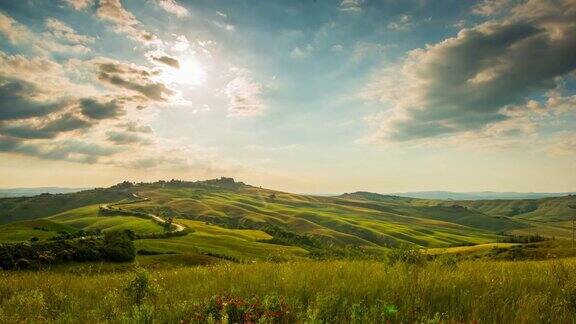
333	221
232	220
235	244
22	208
88	218
545	209
25	230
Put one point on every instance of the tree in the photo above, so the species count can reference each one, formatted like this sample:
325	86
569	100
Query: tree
119	246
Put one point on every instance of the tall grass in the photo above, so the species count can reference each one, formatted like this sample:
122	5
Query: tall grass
304	291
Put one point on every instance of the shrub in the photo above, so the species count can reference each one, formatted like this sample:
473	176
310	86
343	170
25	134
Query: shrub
86	250
143	314
448	260
6	259
23	263
140	288
118	246
406	254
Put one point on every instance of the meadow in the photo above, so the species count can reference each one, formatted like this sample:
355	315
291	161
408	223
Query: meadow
302	291
253	255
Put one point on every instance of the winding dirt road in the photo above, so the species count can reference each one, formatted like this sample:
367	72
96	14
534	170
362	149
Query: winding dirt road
110	208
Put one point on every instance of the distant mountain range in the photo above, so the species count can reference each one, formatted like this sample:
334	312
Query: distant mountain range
444	195
480	195
29	192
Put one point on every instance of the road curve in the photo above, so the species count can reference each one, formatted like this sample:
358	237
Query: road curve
109	207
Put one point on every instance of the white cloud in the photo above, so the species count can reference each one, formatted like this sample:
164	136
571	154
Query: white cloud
181	44
403	23
60	30
124	21
337	48
225	26
490	7
462	84
301	53
244	95
46	43
173	7
79	4
354	6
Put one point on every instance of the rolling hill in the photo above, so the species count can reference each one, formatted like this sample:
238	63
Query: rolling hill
481	195
233	220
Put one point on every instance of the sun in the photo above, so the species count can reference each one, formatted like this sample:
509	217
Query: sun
190	72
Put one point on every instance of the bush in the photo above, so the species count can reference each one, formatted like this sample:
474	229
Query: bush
115	246
118	246
140	287
406	254
6	259
448	260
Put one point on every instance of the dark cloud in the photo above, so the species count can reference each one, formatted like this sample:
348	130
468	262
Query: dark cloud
133	78
123	68
26	131
66	123
463	83
95	109
152	91
165	59
134	127
8	144
20	99
51	129
121	138
66	150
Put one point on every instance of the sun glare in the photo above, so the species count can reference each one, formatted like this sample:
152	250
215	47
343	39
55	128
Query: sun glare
190	72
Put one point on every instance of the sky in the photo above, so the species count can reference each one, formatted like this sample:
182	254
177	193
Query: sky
303	96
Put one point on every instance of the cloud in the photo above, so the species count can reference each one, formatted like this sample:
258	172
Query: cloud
402	24
21	99
181	44
79	4
337	48
44	129
132	77
95	109
132	126
66	150
465	82
173	7
124	21
244	95
12	30
353	6
301	53
60	30
123	138
228	27
490	7
45	43
161	57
